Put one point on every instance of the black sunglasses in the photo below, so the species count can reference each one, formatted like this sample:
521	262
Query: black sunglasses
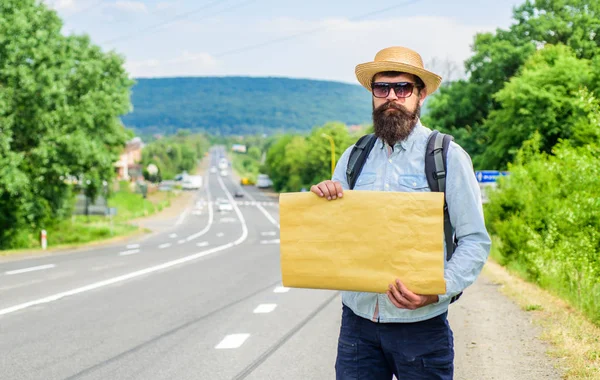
401	89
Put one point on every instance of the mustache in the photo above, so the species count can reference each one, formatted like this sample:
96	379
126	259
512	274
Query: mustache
391	105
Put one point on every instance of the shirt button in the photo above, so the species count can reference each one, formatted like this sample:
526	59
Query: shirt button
390	160
414	184
387	186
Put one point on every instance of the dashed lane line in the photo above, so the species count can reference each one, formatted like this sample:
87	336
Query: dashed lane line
30	269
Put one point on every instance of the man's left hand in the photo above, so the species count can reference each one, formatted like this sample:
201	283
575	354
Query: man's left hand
403	298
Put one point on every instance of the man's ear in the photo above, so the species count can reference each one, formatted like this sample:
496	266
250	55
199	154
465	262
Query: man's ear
422	96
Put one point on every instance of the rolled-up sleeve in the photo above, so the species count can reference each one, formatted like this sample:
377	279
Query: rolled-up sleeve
466	215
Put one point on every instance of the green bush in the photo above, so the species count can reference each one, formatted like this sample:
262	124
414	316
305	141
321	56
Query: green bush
547	216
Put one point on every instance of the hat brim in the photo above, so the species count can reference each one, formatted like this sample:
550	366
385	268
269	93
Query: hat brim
366	71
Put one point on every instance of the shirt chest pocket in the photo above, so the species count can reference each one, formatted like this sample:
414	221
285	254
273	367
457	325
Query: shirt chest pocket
366	181
413	183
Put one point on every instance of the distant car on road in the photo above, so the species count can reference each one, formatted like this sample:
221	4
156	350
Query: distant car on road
224	173
223	205
238	194
263	181
192	182
213	169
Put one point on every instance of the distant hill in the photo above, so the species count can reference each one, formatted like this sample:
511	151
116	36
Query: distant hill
243	105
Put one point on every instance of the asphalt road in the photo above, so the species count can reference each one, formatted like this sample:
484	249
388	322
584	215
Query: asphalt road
203	300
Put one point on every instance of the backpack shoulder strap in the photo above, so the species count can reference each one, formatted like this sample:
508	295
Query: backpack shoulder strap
436	157
358	157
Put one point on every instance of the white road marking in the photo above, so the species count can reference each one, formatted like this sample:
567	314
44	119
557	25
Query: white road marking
270	233
130	252
274	241
138	273
182	217
30	269
132	246
210	216
220	234
262	209
232	341
228	220
166	245
173	236
265	308
181	241
202	244
281	289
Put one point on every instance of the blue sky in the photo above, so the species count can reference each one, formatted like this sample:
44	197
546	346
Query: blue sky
321	39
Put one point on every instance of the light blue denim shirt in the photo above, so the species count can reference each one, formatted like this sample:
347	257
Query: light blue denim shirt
404	170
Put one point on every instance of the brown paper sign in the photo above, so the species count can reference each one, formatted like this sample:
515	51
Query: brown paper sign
363	241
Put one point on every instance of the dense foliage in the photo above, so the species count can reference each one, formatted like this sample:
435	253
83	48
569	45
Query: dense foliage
548	220
508	70
242	105
60	102
174	154
299	161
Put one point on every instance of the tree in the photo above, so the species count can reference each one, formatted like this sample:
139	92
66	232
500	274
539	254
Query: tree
544	97
461	107
60	102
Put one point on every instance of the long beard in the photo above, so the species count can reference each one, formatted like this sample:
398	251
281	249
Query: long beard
396	125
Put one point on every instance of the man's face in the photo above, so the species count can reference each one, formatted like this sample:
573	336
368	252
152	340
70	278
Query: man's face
410	103
395	114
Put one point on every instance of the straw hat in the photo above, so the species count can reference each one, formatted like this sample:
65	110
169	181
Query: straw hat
397	58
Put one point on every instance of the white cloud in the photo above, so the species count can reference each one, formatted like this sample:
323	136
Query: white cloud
131	6
337	45
60	5
186	64
328	49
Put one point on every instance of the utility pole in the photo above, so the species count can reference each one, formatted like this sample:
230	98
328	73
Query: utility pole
332	151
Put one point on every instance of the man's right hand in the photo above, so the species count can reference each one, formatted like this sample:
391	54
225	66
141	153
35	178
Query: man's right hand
328	189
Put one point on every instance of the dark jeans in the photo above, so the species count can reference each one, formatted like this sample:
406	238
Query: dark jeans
368	350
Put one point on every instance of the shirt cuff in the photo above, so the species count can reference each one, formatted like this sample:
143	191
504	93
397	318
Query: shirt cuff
443	298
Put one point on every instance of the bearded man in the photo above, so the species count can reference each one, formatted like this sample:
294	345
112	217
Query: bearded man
402	333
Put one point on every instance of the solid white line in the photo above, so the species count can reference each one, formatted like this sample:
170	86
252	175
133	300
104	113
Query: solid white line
30	269
138	273
237	211
232	341
210	215
281	289
166	245
265	308
270	233
132	246
130	252
220	234
202	244
181	241
173	236
262	209
274	241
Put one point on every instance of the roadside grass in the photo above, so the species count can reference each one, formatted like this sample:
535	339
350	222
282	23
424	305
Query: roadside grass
80	229
575	340
131	205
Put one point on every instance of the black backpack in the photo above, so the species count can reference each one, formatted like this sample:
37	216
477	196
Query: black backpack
435	171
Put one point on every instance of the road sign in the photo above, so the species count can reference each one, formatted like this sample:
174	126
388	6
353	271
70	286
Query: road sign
484	176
